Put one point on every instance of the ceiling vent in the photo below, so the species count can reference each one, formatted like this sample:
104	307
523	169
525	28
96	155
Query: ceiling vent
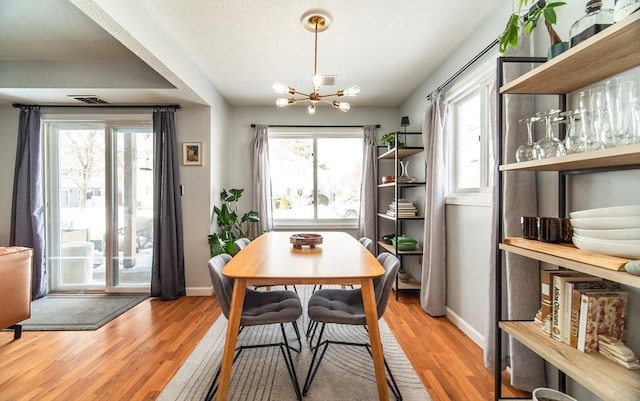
329	80
89	99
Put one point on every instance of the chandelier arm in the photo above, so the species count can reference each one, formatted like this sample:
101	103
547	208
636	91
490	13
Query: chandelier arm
329	95
301	94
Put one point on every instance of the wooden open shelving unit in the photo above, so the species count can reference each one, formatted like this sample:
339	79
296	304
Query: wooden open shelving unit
610	52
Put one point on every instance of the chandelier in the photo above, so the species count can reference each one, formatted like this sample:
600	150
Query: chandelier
314	22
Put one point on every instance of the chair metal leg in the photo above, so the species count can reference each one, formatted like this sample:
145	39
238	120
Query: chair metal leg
289	362
391	382
313	367
297	330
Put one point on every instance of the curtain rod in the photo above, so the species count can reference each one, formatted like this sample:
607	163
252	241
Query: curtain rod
464	68
129	106
315	126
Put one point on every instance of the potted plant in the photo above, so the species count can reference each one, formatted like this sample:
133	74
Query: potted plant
389	139
230	225
520	22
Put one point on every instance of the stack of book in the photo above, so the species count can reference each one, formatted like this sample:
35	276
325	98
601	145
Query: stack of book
402	208
576	308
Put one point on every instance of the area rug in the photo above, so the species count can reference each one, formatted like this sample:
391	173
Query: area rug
77	312
346	373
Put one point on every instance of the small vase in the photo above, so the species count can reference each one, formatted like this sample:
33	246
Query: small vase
404	176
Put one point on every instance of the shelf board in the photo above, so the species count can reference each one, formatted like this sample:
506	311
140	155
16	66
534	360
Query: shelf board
412	284
402	184
565	255
601	376
402	152
610	52
390	248
386	216
613	157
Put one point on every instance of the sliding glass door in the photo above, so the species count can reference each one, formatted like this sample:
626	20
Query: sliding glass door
99	193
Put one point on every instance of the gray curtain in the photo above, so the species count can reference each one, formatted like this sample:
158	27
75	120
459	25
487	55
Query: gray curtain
521	299
433	287
167	272
262	178
368	186
27	211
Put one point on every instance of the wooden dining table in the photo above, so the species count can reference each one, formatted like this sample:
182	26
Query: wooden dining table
271	259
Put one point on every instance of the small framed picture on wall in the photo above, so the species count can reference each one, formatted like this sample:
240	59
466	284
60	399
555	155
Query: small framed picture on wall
192	153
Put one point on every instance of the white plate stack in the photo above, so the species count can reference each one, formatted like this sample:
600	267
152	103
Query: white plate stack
613	231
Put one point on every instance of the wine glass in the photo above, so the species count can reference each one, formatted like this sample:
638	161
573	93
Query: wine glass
550	146
530	150
574	141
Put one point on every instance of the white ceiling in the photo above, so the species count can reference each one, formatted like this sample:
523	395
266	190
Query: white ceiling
242	46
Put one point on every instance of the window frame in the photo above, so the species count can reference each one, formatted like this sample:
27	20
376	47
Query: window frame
480	79
316	133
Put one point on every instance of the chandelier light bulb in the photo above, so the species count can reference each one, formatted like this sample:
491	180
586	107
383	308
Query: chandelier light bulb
353	91
341	105
317	82
280	88
312	108
283	102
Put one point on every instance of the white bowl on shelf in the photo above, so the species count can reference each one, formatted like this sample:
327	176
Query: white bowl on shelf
606	223
622	248
620	234
615	211
543	393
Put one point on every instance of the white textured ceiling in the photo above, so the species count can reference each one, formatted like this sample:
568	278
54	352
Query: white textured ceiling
242	46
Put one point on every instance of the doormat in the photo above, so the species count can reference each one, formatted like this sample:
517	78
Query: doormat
78	312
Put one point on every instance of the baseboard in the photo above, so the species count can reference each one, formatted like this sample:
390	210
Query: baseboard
199	291
472	333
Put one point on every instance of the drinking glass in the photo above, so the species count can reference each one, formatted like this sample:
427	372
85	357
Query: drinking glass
530	150
614	110
550	146
602	122
586	102
630	119
574	141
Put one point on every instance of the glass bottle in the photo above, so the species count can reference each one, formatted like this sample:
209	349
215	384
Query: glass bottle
596	20
550	146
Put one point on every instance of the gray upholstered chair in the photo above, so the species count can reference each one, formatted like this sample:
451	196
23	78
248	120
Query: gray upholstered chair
346	307
259	308
241	243
367	243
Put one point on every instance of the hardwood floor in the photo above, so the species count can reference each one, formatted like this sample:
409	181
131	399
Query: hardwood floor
134	356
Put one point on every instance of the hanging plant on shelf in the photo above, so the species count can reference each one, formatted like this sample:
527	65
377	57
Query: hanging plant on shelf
520	23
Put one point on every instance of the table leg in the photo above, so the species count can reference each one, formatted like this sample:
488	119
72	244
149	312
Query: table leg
371	313
235	313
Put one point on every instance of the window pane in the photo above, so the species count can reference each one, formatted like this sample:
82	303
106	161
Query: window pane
339	172
321	186
291	177
468	123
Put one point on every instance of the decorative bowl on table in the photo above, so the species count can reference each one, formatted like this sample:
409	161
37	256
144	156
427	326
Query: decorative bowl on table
305	239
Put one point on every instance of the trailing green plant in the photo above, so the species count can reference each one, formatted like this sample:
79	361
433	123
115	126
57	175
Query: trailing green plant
514	27
230	225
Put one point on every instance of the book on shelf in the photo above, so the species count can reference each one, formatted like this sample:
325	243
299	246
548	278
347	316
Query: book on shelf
601	313
573	292
546	288
558	328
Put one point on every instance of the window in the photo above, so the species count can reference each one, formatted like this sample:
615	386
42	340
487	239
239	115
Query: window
315	177
470	155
